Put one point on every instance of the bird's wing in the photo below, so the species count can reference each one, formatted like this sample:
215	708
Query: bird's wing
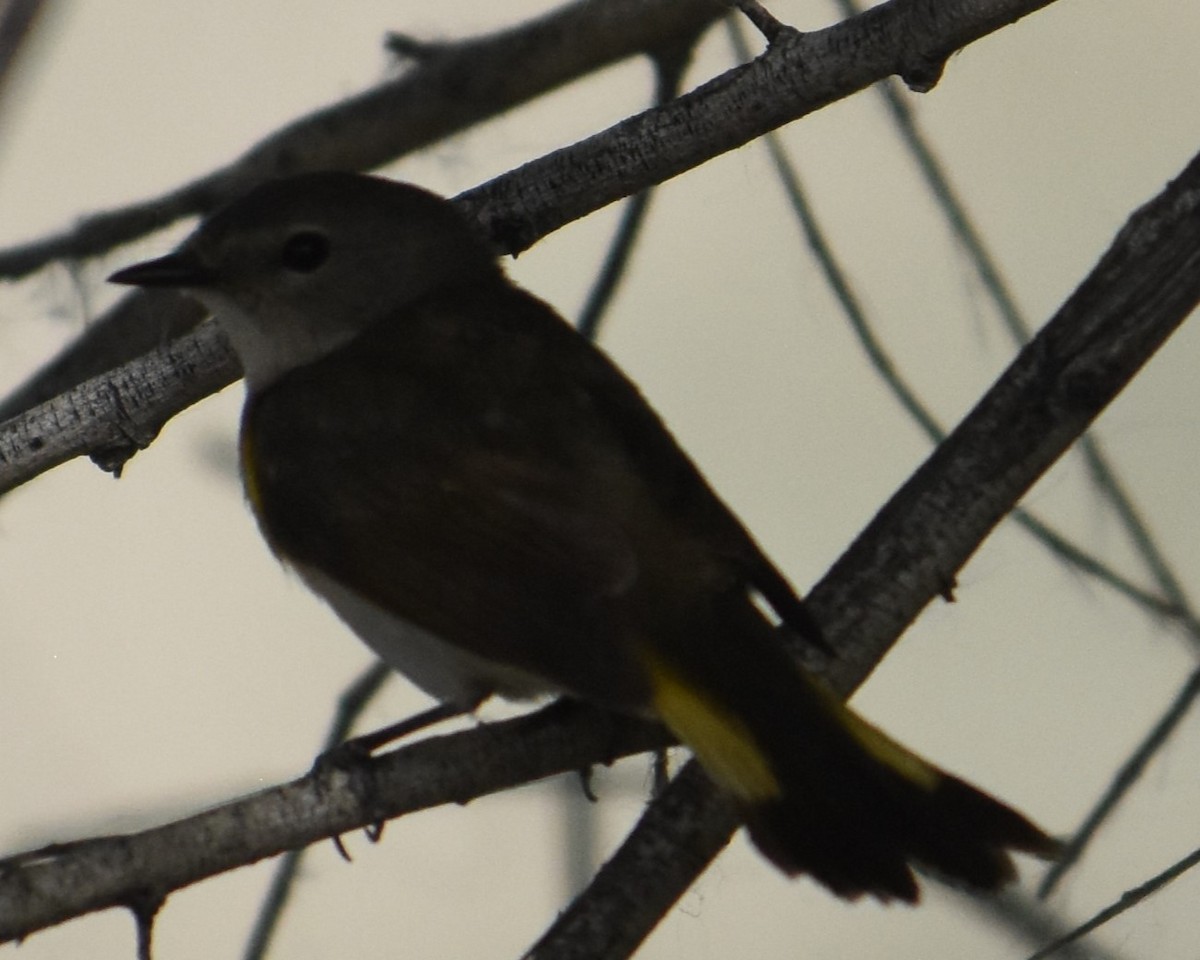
476	467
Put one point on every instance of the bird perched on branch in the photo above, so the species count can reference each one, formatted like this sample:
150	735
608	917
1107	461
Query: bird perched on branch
485	498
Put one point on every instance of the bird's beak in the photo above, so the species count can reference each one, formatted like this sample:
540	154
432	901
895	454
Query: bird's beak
182	269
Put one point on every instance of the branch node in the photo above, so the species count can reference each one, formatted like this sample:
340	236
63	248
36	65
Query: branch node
144	905
923	75
403	47
764	21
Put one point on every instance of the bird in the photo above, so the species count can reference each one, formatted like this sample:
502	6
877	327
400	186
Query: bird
491	504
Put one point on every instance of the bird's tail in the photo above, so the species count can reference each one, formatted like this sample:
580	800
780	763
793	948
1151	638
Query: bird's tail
822	791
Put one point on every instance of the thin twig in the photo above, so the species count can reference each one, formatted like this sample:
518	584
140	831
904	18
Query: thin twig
350	706
17	21
1019	913
1130	772
764	21
1128	900
669	67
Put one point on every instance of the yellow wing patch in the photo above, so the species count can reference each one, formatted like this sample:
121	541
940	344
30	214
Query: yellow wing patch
723	744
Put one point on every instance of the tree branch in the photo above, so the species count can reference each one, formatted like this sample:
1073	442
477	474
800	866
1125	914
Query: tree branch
797	76
45	887
111	417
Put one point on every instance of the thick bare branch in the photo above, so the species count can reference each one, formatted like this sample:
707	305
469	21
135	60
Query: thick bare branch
45	887
798	75
113	416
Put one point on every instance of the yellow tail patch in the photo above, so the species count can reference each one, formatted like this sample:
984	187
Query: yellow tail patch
722	743
882	747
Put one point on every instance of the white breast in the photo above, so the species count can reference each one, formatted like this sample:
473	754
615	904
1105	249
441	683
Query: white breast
444	671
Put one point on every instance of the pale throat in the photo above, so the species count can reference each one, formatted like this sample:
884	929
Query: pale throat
267	352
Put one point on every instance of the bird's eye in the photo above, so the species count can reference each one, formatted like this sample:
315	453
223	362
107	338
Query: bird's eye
305	251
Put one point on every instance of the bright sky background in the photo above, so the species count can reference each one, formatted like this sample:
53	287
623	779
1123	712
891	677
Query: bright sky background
154	659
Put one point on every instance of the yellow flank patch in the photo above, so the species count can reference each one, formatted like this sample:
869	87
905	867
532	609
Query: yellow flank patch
722	743
249	472
886	750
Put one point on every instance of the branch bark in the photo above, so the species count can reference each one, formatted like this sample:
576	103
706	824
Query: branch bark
44	887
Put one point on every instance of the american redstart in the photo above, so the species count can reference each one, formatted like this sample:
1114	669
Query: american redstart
487	500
